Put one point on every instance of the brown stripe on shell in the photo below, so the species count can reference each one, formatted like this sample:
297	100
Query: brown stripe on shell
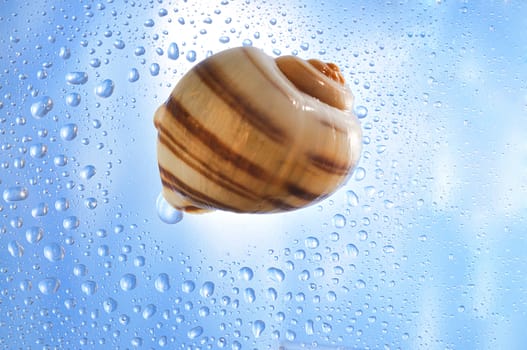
328	164
218	178
181	116
212	78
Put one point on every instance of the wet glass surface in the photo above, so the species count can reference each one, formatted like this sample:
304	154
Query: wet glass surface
423	248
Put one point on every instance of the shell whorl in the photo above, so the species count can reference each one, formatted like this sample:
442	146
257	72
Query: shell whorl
241	132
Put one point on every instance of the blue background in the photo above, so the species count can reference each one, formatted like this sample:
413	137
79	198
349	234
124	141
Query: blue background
424	248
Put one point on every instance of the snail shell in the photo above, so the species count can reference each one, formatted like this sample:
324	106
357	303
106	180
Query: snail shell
246	133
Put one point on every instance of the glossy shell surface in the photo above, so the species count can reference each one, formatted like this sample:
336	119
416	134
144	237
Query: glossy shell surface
246	133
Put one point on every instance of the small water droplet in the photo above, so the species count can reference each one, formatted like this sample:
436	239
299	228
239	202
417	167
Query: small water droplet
339	221
166	212
105	88
38	150
119	44
195	332
173	51
191	56
207	289
69	132
352	250
149	311
89	287
128	282
64	52
154	69
90	203
311	242
73	99
41	107
15	194
249	295
15	249
70	223
258	328
77	78
388	249
162	283
54	252
149	23
359	173
87	172
353	199
188	286
245	273
133	75
109	305
49	285
361	112
275	274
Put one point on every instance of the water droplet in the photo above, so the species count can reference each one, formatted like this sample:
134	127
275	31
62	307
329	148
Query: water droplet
195	332
310	327
54	252
359	173
60	160
388	249
275	274
119	44
149	311
90	203
360	284
246	273
41	107
352	250
64	52
353	199
38	150
95	62
77	78
311	242
191	56
73	99
49	285
188	286
105	88
15	194
80	270
207	289
166	212
70	223
34	234
68	132
149	23
15	249
162	283
109	305
133	75
361	112
258	328
154	69
128	282
87	172
62	204
339	220
89	287
173	51
249	295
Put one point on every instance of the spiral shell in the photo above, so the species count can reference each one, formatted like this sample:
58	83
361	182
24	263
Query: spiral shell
246	133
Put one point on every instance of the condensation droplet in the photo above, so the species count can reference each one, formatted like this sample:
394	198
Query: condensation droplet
77	78
339	221
275	274
388	249
128	282
41	107
361	112
311	242
73	99
15	194
258	328
173	51
49	285
249	295
54	252
105	88
70	223
87	172
69	132
40	210
109	305
191	56
133	75
162	283
166	212
353	199
89	287
34	234
15	249
154	69
352	250
188	286
149	311
246	273
195	332
38	150
207	289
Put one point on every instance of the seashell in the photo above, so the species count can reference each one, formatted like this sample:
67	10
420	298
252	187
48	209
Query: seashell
247	133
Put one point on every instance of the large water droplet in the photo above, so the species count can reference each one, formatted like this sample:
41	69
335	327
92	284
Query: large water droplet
109	305
275	274
70	223
258	328
162	283
249	295
42	107
38	150
188	286
207	289
133	75
49	285
149	311
166	212
128	282
361	112
352	250
54	252
15	249
173	51
353	199
195	332
105	88
77	78
15	194
89	287
34	234
246	273
339	220
68	132
311	242
87	172
73	99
